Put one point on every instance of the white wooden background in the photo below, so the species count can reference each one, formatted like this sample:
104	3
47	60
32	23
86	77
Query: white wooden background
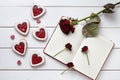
12	11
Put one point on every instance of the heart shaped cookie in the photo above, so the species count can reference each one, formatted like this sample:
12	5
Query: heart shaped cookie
23	28
37	11
40	34
36	59
20	47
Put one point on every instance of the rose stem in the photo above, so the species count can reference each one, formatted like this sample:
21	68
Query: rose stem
59	52
95	14
90	16
88	59
117	3
65	71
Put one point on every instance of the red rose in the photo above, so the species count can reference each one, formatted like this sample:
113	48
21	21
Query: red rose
84	49
70	65
68	46
65	26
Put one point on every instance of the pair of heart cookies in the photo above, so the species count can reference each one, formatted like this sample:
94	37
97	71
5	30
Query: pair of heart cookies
21	48
23	29
38	11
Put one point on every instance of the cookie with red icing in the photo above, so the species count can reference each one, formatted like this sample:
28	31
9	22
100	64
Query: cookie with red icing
20	47
23	27
37	11
36	59
40	34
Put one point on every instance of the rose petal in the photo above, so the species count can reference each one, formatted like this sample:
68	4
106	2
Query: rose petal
72	29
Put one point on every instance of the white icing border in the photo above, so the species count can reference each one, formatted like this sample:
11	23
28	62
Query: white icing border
39	55
25	48
41	39
39	6
28	27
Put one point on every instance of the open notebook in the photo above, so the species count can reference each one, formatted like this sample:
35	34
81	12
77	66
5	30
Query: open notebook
99	49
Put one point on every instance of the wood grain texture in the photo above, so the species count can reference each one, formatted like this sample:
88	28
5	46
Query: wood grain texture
12	11
10	15
8	60
53	75
7	42
56	2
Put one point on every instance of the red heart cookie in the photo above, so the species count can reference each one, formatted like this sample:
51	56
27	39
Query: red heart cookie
36	60
40	34
20	47
22	28
37	11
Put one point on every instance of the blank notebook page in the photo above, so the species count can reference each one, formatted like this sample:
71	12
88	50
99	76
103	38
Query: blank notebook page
98	50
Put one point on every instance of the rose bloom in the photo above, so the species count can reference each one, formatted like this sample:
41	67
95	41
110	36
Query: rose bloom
84	49
65	26
68	46
70	65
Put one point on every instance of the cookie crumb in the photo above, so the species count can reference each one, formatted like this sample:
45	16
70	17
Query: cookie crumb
12	37
19	62
38	21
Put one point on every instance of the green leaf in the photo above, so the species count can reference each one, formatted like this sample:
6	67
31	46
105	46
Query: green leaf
109	5
107	10
90	29
94	18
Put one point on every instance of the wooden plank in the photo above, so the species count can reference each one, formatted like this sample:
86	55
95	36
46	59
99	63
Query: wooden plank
16	10
109	75
32	42
8	60
10	15
56	2
113	62
112	34
43	75
55	75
